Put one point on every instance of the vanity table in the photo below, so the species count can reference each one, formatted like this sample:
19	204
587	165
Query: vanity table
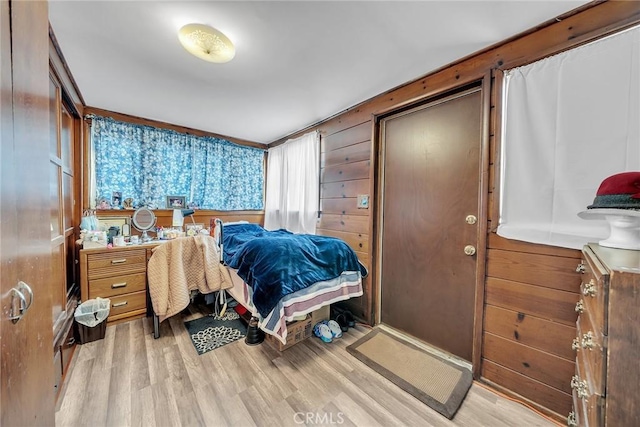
120	274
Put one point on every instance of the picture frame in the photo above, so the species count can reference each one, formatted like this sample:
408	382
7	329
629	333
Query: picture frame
175	202
193	229
116	199
122	222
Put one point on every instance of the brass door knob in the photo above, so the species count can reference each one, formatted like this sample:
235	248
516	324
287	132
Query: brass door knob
469	250
471	219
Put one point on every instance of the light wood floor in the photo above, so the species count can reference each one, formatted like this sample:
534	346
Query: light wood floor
130	379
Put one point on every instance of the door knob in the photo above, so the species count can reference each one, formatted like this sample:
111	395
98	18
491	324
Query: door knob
471	219
469	250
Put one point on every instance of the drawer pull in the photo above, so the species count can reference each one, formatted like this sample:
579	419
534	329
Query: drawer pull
575	345
119	261
120	304
580	386
571	420
587	340
580	268
589	289
119	285
580	307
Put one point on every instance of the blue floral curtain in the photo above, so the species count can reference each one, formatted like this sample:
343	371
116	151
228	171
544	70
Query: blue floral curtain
147	164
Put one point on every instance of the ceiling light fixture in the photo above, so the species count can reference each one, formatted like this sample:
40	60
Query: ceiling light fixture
206	43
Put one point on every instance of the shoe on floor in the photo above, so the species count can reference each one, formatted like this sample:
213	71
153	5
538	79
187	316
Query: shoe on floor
341	320
334	327
322	331
351	321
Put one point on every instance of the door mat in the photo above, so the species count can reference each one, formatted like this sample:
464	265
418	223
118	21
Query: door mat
437	382
210	332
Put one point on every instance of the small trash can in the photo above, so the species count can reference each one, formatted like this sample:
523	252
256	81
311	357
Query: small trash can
91	320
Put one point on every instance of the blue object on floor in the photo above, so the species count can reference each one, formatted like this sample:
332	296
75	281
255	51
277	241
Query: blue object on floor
334	327
322	331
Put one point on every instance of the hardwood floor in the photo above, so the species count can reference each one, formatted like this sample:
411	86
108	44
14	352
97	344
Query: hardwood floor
131	379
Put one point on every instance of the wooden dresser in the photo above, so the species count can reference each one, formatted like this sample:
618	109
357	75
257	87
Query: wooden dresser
119	274
608	342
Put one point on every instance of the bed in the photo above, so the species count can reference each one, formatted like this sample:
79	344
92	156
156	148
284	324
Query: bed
279	276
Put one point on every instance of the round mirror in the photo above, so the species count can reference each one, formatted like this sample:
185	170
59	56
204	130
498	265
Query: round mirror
143	220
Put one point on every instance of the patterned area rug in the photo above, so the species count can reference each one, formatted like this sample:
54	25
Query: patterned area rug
210	332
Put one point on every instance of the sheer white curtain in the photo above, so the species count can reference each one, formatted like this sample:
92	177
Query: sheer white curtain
571	120
293	185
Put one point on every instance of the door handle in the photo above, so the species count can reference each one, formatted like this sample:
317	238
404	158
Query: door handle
22	303
469	250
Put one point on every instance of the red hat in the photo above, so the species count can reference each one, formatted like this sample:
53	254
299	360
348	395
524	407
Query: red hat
620	191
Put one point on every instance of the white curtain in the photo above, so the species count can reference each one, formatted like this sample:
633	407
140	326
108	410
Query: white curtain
293	185
570	121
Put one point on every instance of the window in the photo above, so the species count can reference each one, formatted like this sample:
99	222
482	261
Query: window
571	120
293	185
147	164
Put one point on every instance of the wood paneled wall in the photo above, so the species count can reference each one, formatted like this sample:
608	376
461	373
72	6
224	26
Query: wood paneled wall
531	290
529	320
345	160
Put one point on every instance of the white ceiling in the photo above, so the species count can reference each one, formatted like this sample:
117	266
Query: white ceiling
297	62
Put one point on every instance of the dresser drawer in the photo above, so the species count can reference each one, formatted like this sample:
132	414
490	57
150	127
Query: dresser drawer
118	285
107	264
594	293
591	355
579	411
588	406
128	302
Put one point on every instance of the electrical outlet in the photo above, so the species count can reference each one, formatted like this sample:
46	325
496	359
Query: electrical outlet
363	201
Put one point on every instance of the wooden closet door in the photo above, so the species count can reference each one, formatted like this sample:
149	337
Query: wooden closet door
430	184
26	354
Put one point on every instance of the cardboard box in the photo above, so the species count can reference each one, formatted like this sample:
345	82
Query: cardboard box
322	313
296	332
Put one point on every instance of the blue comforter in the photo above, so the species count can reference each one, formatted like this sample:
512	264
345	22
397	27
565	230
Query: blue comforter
278	263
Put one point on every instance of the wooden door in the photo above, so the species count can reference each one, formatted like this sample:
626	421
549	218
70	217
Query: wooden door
26	355
429	185
61	193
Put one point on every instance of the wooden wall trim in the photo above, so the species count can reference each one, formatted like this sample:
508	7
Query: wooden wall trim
481	234
163	125
59	64
498	242
496	146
